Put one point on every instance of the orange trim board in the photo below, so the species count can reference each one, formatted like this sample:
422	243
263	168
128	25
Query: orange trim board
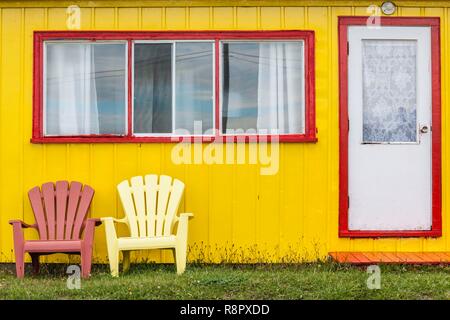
391	257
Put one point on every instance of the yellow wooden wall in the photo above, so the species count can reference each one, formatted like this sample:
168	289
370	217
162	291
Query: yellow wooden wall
239	214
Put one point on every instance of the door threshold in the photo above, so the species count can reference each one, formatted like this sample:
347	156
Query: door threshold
365	258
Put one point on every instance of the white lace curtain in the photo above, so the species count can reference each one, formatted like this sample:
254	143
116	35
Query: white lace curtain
389	90
280	87
71	96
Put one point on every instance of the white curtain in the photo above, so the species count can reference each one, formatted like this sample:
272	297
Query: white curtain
280	88
389	90
71	97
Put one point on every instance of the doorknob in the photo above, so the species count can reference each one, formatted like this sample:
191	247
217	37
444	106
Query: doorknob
424	129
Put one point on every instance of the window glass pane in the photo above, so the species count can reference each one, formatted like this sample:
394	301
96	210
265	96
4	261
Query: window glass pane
194	86
152	88
85	88
263	87
389	90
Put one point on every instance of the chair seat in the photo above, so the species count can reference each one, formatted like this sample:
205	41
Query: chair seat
52	246
135	243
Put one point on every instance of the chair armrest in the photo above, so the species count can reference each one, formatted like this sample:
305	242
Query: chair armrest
18	226
182	229
91	221
183	220
123	220
95	221
184	215
110	229
187	214
22	224
89	229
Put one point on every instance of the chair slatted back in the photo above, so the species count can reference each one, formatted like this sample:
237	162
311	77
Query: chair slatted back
151	204
60	209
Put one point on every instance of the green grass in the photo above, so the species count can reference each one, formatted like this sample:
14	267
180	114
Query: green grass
304	281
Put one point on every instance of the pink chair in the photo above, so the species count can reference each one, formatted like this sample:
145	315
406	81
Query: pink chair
60	216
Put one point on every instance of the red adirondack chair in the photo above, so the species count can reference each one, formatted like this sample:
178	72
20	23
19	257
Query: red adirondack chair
60	221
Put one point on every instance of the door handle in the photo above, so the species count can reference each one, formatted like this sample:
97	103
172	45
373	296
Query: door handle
424	129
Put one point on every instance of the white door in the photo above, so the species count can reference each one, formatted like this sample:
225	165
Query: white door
389	146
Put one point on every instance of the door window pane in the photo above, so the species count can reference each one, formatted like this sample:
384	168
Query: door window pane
263	87
85	88
389	90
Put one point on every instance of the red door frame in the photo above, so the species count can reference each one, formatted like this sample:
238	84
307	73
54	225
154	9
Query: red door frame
436	227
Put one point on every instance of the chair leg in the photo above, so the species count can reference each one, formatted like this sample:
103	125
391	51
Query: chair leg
86	260
180	258
20	263
19	250
112	246
35	263
87	248
126	260
113	256
174	255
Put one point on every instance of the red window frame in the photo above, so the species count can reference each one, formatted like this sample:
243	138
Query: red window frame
434	24
217	36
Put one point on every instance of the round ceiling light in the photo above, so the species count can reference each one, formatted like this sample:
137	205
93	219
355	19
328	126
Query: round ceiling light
388	8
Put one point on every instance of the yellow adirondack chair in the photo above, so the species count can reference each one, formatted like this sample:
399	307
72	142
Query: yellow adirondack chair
151	208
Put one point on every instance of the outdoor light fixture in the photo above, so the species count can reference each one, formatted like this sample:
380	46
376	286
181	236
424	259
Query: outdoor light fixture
388	8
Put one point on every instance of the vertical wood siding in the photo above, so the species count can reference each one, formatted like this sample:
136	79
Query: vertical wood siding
240	215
